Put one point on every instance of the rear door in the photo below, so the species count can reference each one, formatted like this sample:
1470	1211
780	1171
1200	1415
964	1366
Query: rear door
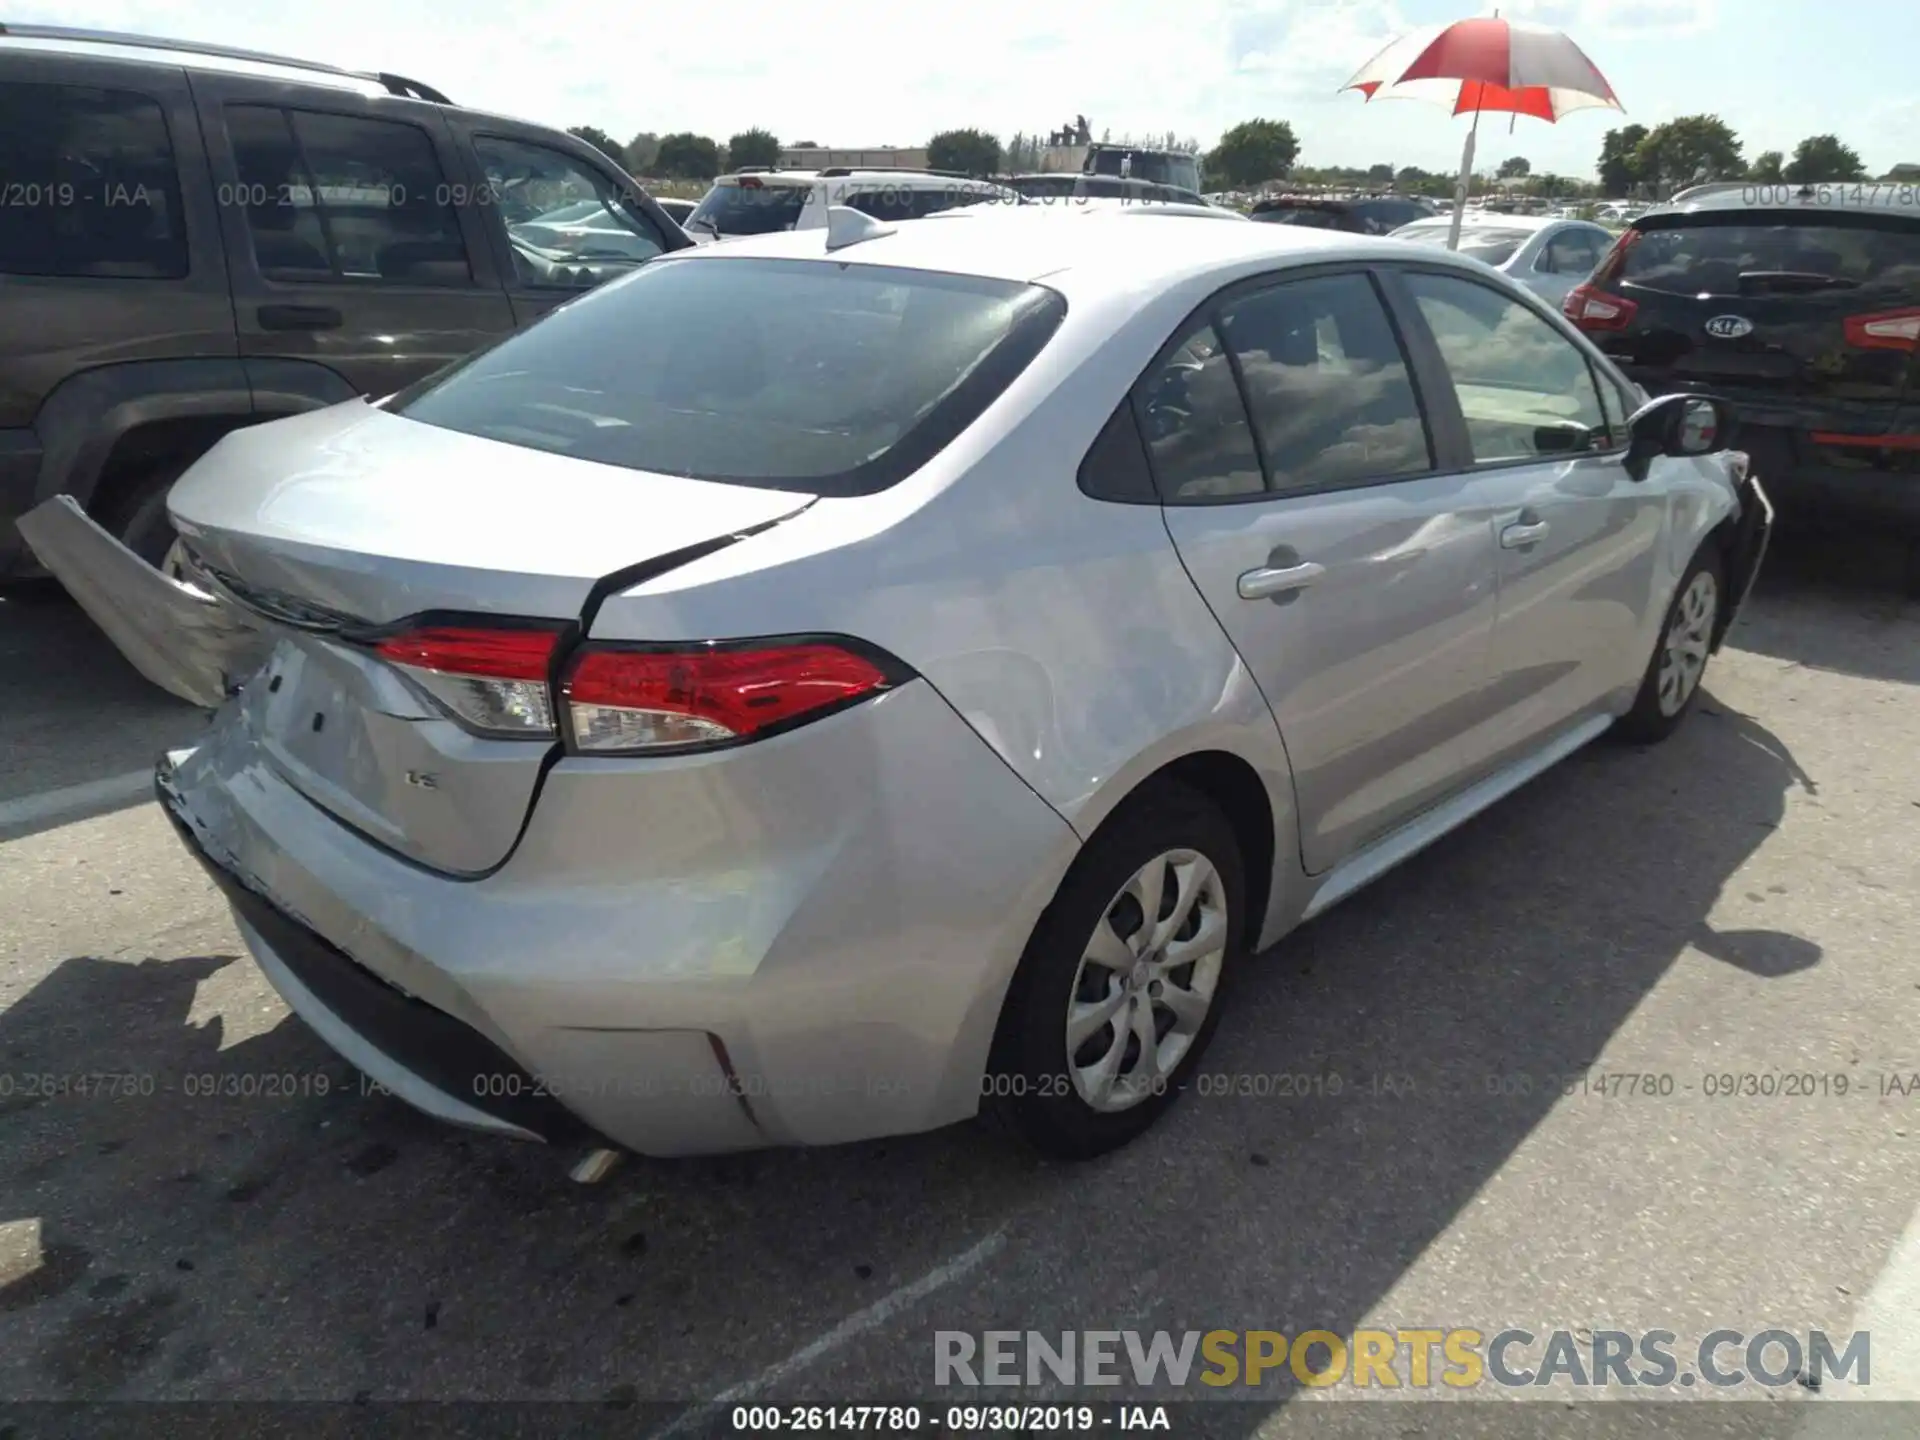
559	218
1578	537
1806	315
1352	572
344	241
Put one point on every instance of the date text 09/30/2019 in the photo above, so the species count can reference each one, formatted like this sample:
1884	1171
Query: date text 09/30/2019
962	1419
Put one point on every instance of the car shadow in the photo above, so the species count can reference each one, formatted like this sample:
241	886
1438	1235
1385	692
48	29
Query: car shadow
233	1218
1836	598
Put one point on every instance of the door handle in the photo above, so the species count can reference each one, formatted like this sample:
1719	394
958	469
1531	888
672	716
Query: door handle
299	317
1518	537
1271	580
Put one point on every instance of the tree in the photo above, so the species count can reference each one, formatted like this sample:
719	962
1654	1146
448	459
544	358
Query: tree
601	141
1380	174
643	152
686	156
1253	152
753	147
1620	159
1688	150
973	151
1514	167
1823	157
1766	166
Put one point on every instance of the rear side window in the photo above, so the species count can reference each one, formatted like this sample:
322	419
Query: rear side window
1195	423
1383	217
828	378
340	197
1573	251
749	209
1313	217
1743	253
87	185
1331	396
888	203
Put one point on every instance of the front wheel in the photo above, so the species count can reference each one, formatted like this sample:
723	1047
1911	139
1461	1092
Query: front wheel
1672	681
1120	987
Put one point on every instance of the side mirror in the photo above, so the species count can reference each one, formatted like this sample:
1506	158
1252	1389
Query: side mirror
1679	426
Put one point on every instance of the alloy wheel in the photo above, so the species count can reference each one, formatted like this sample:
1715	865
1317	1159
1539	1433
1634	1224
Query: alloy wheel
1683	652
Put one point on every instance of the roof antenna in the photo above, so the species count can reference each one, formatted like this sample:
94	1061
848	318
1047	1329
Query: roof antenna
848	226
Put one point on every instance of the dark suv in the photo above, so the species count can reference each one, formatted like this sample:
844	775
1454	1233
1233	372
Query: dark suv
1364	215
194	239
1800	304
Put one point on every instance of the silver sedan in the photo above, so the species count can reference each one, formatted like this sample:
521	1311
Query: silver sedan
1549	256
818	686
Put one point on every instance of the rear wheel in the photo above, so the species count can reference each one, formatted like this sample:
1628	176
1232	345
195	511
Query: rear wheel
1120	987
1672	681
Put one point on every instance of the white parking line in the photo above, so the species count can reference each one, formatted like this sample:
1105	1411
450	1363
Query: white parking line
1890	1314
858	1323
74	801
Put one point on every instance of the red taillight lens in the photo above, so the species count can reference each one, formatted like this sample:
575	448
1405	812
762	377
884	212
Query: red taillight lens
635	701
1888	330
1594	309
491	680
749	182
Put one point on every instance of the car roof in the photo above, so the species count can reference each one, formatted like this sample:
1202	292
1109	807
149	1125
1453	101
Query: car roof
1105	246
1110	205
1495	220
1884	197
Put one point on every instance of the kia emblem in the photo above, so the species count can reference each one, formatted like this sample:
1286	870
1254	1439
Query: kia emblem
1729	327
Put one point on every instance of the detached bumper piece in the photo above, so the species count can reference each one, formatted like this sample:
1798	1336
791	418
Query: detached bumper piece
1749	548
445	1053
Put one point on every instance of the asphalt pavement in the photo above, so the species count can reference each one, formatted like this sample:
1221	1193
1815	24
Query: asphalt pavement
230	1217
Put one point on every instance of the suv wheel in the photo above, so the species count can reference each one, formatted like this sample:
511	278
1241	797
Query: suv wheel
140	521
1121	985
1672	681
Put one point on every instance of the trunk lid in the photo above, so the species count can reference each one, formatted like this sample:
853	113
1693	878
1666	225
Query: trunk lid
1765	305
332	528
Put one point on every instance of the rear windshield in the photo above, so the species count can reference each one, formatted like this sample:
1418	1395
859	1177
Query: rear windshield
1312	216
802	375
749	209
1744	254
1494	247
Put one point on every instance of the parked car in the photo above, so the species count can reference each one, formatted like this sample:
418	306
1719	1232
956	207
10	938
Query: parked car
1366	215
1055	186
1549	257
197	239
764	202
832	681
679	211
1179	169
1804	305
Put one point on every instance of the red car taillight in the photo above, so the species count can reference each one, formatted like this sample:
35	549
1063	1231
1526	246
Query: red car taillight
1594	309
1887	330
493	680
622	700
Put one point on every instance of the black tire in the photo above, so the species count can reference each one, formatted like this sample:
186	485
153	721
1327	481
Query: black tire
1649	721
139	518
1030	1084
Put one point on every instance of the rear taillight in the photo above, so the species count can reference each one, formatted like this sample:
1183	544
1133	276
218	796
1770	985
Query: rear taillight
623	700
1592	308
1887	330
493	680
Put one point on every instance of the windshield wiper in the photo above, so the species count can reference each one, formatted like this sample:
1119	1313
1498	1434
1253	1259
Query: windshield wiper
706	223
1794	280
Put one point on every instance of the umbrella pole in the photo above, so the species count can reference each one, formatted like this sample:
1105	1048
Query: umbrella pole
1466	179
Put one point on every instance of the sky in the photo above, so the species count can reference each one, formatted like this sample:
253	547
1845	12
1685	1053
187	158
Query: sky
875	72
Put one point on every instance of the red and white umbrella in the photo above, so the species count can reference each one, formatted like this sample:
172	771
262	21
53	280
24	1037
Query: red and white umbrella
1506	66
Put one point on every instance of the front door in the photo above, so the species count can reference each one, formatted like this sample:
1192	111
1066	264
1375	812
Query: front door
1354	576
345	244
1578	537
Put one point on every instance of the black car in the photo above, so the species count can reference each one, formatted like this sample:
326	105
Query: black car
196	239
1366	215
1802	306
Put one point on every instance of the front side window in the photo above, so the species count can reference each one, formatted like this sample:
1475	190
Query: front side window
1195	423
567	222
805	375
1331	396
87	185
1525	390
339	197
